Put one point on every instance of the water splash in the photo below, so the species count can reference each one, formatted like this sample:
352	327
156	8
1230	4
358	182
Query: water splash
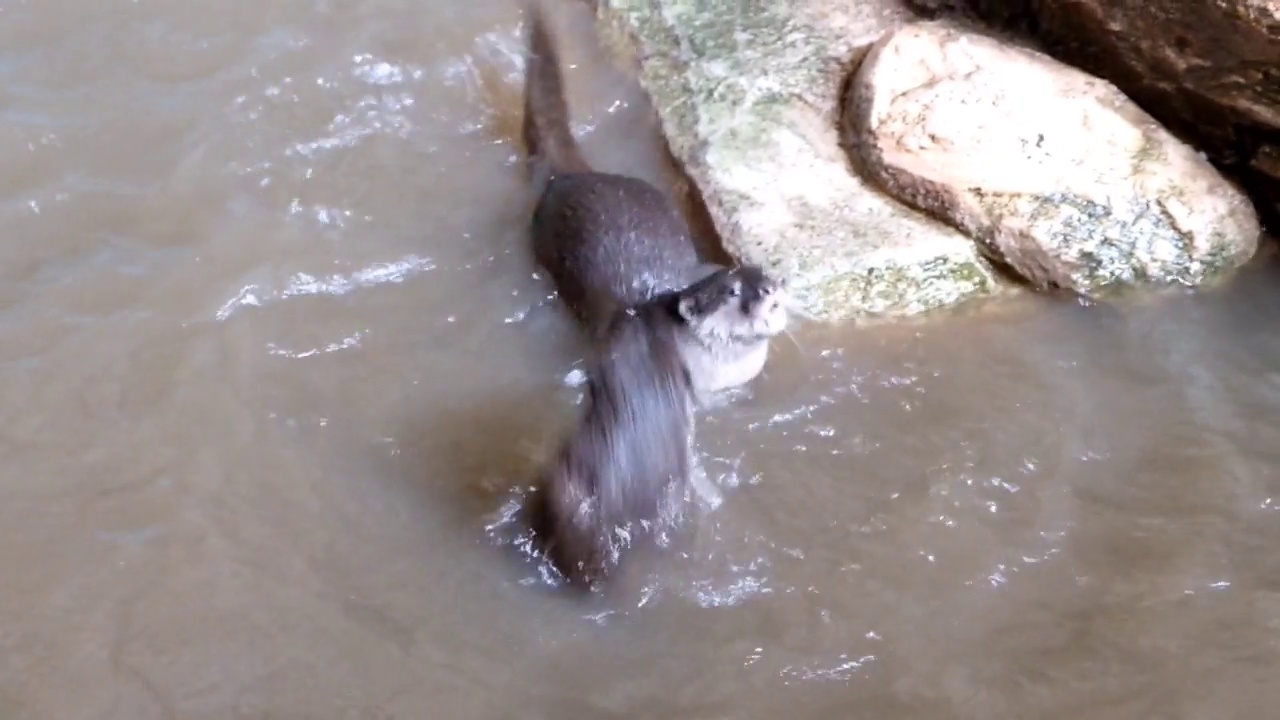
735	593
383	114
380	72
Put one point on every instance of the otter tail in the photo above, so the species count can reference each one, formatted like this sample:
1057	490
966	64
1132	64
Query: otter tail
550	147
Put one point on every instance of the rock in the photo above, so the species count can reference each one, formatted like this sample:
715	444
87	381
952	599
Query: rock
1055	172
1209	71
748	95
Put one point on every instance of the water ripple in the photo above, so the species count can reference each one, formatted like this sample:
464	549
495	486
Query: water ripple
303	284
345	343
737	592
370	115
844	669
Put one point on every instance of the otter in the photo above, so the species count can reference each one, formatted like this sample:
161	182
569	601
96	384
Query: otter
630	455
612	241
620	475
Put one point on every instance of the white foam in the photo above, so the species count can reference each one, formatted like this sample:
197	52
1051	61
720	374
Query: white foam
350	341
370	115
844	669
303	284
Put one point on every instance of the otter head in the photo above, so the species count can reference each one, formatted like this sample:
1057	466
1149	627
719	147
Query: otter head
734	305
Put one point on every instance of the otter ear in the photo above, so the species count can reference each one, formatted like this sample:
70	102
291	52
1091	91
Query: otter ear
687	306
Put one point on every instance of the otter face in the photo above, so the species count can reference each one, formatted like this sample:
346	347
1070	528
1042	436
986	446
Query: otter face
739	305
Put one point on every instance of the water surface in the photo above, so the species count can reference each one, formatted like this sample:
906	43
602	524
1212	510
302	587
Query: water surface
273	357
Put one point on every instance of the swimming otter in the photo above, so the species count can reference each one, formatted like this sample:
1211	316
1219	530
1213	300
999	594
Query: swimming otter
630	455
612	241
621	474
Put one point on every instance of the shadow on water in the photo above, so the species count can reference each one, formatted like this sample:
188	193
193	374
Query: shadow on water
480	456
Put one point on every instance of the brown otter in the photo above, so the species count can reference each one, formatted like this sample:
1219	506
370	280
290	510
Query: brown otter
629	457
621	474
612	241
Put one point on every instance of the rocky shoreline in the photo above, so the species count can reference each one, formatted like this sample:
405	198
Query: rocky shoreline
887	165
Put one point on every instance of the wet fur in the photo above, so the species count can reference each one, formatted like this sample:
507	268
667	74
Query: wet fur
666	330
615	477
612	241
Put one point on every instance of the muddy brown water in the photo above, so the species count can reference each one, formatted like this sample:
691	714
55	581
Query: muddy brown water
273	358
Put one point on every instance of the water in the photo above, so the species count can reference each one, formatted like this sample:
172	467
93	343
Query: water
273	359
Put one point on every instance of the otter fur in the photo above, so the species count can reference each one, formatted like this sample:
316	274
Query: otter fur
611	241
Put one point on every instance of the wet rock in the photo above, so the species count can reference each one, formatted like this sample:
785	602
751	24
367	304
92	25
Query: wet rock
1055	172
748	94
1209	71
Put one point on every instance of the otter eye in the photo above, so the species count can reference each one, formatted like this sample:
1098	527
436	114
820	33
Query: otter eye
735	290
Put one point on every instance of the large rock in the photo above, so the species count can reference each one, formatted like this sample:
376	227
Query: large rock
1207	69
1057	173
748	94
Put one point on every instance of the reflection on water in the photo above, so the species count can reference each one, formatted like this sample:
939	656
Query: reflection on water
277	369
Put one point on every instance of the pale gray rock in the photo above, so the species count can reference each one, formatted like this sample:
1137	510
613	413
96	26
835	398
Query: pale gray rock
748	94
1209	70
1053	171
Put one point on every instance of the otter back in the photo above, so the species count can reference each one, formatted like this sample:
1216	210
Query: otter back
609	241
606	240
